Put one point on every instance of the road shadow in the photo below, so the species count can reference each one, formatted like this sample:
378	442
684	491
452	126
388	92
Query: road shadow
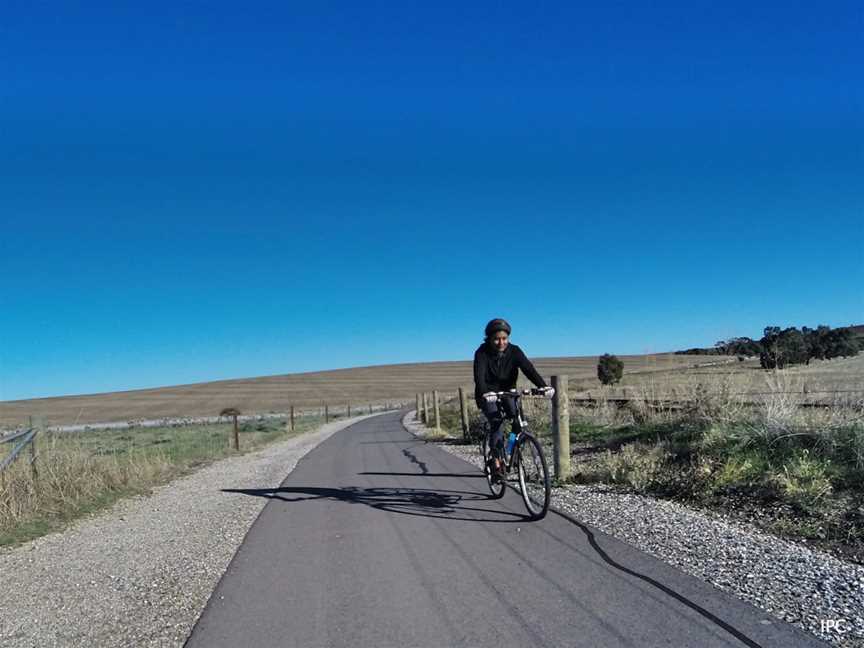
406	442
706	614
413	459
472	475
444	504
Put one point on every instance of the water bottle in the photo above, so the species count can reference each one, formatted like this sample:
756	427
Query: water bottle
511	441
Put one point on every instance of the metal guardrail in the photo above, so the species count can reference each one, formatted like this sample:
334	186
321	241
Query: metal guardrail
28	438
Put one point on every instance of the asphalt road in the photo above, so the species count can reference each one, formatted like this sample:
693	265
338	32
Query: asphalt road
379	539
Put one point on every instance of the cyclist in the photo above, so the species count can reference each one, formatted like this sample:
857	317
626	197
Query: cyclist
496	368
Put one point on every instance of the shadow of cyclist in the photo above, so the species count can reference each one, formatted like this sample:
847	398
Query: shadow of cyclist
445	504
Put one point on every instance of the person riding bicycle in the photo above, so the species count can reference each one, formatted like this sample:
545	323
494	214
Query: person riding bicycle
496	368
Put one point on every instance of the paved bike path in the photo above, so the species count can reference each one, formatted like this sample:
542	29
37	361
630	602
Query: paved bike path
379	539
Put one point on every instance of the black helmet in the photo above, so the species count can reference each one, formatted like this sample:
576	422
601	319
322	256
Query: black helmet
496	325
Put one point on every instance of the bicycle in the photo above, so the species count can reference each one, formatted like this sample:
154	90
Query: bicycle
526	456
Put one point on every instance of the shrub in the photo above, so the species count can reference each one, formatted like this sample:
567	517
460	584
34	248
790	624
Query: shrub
804	480
641	466
739	471
609	369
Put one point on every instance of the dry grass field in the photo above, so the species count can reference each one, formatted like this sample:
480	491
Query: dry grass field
820	376
360	386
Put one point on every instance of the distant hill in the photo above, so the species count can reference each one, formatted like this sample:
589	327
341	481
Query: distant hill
359	385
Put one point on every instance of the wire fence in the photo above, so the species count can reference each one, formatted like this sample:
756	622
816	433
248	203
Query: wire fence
431	410
111	433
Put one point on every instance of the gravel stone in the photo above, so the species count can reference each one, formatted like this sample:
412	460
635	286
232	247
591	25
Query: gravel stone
141	573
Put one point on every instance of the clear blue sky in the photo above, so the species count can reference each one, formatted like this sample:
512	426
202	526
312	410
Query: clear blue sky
197	191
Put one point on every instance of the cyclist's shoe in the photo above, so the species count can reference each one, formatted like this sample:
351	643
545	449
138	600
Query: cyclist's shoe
491	466
498	471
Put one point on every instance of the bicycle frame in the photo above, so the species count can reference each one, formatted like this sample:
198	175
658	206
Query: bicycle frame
523	426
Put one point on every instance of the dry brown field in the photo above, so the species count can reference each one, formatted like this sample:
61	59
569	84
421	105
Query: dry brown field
818	379
359	386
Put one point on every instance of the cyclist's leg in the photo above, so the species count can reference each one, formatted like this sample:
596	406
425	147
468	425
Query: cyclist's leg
496	436
512	410
496	422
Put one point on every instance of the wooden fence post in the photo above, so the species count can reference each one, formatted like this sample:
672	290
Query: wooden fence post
436	411
425	410
292	418
463	409
561	428
34	473
326	413
349	410
417	408
234	412
37	423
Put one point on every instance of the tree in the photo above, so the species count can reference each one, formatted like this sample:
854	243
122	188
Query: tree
795	346
769	358
740	346
817	341
840	343
781	348
609	369
744	346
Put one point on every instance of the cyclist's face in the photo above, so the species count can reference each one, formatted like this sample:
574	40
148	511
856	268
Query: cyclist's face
500	340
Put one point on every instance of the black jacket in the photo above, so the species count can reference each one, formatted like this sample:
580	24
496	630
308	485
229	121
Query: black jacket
494	373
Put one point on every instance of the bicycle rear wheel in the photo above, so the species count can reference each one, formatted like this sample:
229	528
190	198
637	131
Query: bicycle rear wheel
496	486
533	476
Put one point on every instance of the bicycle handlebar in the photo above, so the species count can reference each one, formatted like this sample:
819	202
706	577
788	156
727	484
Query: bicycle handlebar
534	391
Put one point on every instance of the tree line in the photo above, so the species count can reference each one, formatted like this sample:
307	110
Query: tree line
779	348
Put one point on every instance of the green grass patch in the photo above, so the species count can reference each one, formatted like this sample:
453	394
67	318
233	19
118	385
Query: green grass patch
815	477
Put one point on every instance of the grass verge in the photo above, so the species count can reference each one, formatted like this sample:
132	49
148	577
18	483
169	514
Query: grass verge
83	473
792	471
805	485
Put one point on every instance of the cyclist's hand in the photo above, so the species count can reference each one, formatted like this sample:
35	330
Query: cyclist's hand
490	397
549	392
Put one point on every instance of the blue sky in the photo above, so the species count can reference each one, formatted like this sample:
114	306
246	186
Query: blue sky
199	191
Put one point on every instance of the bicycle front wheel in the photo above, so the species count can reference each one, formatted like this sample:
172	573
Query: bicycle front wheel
533	477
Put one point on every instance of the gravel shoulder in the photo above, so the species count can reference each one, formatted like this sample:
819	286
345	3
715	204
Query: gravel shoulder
792	582
140	573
